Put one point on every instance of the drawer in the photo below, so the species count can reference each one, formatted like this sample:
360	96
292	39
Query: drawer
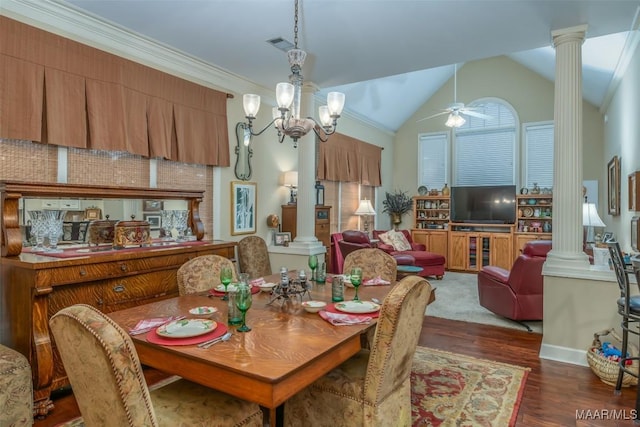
134	289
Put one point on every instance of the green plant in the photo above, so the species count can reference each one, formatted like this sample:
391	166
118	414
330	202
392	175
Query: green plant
397	202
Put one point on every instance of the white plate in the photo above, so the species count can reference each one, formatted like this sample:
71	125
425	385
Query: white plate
186	328
357	307
203	310
266	287
230	288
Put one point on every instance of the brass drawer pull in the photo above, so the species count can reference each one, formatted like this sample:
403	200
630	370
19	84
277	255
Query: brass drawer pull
123	267
83	272
119	288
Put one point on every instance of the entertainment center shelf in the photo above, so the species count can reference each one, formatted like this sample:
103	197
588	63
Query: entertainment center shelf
469	246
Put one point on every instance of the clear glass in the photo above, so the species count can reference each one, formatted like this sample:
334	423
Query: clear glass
39	229
356	279
167	224
335	103
226	276
251	104
54	220
243	302
313	264
181	219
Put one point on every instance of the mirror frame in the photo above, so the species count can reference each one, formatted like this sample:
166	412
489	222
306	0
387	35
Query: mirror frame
244	152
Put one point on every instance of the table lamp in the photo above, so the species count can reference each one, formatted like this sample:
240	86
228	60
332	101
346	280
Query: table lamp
590	219
290	180
365	209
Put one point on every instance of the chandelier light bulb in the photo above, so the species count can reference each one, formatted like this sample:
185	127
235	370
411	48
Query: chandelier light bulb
251	104
325	117
284	94
335	103
455	120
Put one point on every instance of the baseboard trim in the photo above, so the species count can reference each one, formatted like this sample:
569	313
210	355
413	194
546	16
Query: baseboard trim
563	354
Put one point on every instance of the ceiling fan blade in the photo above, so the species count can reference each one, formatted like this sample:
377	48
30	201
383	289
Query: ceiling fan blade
474	114
434	115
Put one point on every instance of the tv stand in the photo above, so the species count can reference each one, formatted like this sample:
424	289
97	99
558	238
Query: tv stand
472	246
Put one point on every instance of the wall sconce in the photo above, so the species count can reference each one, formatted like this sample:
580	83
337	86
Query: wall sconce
365	210
290	179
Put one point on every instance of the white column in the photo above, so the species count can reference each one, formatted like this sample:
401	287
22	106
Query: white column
567	252
305	232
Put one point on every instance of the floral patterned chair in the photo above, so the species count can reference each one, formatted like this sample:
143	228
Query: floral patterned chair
373	387
202	273
109	386
253	257
374	262
16	389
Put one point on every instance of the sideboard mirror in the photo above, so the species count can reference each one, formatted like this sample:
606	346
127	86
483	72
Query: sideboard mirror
244	152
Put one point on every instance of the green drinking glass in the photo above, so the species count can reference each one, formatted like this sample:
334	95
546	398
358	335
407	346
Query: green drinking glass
313	264
226	276
356	279
243	302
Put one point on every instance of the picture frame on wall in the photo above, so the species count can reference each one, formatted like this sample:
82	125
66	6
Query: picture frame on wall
243	207
613	186
152	205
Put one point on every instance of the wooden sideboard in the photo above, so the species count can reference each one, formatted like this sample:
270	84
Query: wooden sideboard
34	286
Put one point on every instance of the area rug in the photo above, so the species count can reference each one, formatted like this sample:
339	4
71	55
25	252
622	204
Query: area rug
455	390
457	299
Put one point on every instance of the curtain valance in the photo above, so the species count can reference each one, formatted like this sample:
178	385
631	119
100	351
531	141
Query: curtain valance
346	159
57	91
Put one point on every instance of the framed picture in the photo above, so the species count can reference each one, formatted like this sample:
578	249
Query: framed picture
152	205
92	213
243	207
282	239
613	186
607	236
155	221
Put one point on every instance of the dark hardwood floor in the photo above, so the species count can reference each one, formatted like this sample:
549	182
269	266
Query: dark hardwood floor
554	391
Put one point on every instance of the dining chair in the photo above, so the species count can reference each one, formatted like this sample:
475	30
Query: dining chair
202	273
16	389
374	262
373	387
253	257
629	309
108	383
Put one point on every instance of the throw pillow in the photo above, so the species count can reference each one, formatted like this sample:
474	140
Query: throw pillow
385	238
399	242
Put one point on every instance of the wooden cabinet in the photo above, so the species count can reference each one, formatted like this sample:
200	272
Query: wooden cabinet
33	287
436	241
472	247
430	212
322	225
535	220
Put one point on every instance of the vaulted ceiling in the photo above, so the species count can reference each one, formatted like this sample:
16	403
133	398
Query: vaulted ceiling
388	56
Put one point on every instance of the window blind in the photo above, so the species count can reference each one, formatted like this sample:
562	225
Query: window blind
538	142
433	159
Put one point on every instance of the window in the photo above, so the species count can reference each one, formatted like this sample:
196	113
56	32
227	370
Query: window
433	159
485	149
538	154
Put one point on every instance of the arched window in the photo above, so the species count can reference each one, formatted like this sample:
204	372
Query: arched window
484	150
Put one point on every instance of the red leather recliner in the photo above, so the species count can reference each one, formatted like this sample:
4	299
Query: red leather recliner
516	294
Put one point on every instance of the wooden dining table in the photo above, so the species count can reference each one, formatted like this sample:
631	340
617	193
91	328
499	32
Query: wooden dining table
286	350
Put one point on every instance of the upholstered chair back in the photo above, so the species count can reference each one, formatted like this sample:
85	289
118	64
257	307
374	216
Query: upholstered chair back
374	262
202	273
253	257
103	368
395	339
16	389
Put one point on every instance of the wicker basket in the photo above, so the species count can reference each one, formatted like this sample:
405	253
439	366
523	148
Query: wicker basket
607	370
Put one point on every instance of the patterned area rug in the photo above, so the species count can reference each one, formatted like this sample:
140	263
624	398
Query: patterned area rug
454	390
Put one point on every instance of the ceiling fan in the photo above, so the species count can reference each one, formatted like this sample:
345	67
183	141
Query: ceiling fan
456	110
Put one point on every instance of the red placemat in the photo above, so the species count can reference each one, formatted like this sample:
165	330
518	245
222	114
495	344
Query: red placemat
254	290
219	331
332	309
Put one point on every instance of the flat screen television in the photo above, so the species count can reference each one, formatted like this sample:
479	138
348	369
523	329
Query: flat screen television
484	205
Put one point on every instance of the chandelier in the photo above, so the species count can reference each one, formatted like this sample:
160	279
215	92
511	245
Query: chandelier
286	116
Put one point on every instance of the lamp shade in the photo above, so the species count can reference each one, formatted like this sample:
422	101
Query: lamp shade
290	179
455	120
590	217
365	208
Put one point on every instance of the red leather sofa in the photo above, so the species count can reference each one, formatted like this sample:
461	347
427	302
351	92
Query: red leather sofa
432	264
351	240
517	293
